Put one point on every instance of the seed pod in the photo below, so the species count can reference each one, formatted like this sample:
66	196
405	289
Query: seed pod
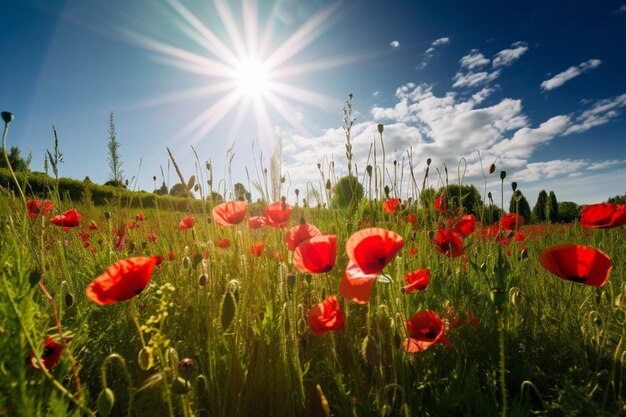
107	215
7	116
428	161
186	262
180	386
105	401
381	127
191	182
186	367
502	175
228	310
144	359
514	185
69	299
202	280
369	169
492	168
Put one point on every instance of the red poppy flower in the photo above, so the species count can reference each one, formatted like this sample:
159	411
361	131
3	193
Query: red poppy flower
316	255
171	255
36	207
230	213
92	225
257	248
391	205
277	214
578	263
356	285
299	234
67	220
519	237
139	217
449	243
222	243
152	237
187	222
441	204
256	222
411	218
50	356
425	328
326	316
121	281
603	216
372	249
512	221
416	280
465	225
132	224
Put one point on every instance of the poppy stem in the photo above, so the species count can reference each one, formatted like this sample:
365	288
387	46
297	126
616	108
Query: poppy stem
129	380
133	315
502	363
6	159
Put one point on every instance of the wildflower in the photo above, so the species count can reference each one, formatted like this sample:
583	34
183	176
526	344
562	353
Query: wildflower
373	248
603	216
230	213
299	234
257	248
67	220
448	242
316	255
411	218
578	263
356	285
277	214
92	225
416	280
187	222
139	217
222	243
424	328
50	356
121	281
441	204
256	222
36	207
512	221
391	205
465	225
152	237
326	316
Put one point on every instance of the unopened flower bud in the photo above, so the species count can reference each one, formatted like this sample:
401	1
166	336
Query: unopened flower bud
381	127
7	117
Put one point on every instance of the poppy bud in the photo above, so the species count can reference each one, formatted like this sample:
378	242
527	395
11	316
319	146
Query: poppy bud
107	215
369	350
498	297
154	178
490	196
369	169
208	165
301	327
291	281
69	299
502	175
228	310
514	186
395	163
144	359
186	262
428	161
397	340
328	184
105	402
186	367
319	166
202	280
517	298
492	168
296	192
381	127
180	386
387	191
7	117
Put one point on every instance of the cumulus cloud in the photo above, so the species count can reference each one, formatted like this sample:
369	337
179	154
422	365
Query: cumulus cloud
507	57
472	79
473	60
394	44
572	72
430	52
447	127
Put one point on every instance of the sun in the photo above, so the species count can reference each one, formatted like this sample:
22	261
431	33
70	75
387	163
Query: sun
252	78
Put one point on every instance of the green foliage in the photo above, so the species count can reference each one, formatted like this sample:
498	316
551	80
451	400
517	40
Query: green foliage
161	190
347	192
18	163
618	199
466	197
552	208
180	190
519	205
568	211
114	158
241	193
539	211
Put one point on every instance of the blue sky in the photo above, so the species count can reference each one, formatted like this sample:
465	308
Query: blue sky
536	85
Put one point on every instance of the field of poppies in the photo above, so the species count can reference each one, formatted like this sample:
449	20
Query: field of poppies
390	308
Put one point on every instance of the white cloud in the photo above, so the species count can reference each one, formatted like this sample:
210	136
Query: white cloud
472	79
394	44
450	126
376	93
622	9
430	52
473	60
506	57
572	72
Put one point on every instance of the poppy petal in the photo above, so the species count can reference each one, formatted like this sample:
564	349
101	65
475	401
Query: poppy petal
121	281
373	248
356	285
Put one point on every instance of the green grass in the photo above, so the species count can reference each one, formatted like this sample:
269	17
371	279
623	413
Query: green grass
564	345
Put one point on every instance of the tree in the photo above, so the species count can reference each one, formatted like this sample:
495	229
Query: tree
241	193
520	205
180	190
552	209
347	192
539	211
114	159
618	199
161	190
568	211
465	196
18	163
